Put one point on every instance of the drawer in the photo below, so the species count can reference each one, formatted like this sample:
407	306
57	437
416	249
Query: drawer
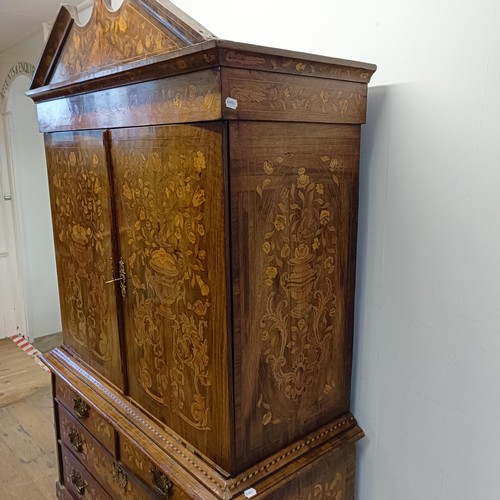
62	492
80	408
159	484
78	480
110	474
79	440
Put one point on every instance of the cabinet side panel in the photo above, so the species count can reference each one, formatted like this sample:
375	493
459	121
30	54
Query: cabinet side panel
170	213
331	477
81	215
293	220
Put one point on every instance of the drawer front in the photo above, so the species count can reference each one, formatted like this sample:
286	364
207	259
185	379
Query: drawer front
116	480
80	408
111	475
62	492
160	485
78	480
81	443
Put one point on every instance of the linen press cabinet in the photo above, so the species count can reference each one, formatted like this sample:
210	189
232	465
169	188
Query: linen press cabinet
204	204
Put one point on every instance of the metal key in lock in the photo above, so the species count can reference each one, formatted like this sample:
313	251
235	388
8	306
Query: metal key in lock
122	278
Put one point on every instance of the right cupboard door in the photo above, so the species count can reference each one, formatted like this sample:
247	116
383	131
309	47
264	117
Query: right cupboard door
169	189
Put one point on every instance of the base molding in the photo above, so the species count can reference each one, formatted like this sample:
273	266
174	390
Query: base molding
318	466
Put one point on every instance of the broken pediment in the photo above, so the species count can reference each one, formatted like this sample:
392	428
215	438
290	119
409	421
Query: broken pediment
138	30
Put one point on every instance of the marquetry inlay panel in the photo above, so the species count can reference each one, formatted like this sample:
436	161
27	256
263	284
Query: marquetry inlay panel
204	200
298	199
81	213
168	182
110	38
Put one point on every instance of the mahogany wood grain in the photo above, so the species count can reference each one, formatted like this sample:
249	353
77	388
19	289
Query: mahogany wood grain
292	200
62	493
150	29
330	477
77	480
178	99
53	47
81	409
82	220
255	57
80	442
219	182
177	461
170	215
261	95
145	469
97	467
208	54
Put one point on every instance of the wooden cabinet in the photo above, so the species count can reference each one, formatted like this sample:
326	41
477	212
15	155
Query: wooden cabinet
204	200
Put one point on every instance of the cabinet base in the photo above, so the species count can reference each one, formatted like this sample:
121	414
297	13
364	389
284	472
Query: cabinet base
319	466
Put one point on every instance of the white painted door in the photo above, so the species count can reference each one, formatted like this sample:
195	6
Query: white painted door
11	317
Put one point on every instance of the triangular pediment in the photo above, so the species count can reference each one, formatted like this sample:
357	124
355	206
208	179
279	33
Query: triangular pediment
138	30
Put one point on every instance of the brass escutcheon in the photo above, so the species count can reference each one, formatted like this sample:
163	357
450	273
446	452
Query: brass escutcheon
119	477
81	407
75	438
122	278
78	481
161	483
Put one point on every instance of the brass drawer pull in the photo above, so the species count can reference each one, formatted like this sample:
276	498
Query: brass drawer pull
75	438
81	407
161	483
119	477
78	481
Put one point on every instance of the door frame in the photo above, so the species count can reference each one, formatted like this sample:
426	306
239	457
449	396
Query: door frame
15	244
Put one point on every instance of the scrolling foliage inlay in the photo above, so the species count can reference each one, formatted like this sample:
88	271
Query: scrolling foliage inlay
329	489
78	224
81	220
299	250
110	38
164	206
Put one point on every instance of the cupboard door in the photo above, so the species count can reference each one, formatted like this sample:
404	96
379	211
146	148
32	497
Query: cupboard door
82	223
170	215
293	233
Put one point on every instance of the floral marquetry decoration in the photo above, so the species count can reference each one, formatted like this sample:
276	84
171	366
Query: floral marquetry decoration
204	198
300	246
81	215
117	37
166	266
164	195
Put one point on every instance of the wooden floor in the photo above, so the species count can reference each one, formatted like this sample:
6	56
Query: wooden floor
27	443
48	342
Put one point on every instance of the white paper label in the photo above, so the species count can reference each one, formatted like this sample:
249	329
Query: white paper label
251	492
232	104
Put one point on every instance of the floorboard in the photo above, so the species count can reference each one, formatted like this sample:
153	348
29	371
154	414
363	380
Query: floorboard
48	342
27	443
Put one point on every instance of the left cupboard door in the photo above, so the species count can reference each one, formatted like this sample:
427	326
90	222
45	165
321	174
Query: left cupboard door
82	220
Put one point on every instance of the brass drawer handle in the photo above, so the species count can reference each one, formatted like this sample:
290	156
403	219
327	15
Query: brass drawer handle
161	483
81	407
78	481
75	438
119	477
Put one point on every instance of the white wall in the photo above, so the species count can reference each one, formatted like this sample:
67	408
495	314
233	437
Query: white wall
426	376
427	371
30	195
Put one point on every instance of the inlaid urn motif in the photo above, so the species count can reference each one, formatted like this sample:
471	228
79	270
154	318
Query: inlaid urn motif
164	280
